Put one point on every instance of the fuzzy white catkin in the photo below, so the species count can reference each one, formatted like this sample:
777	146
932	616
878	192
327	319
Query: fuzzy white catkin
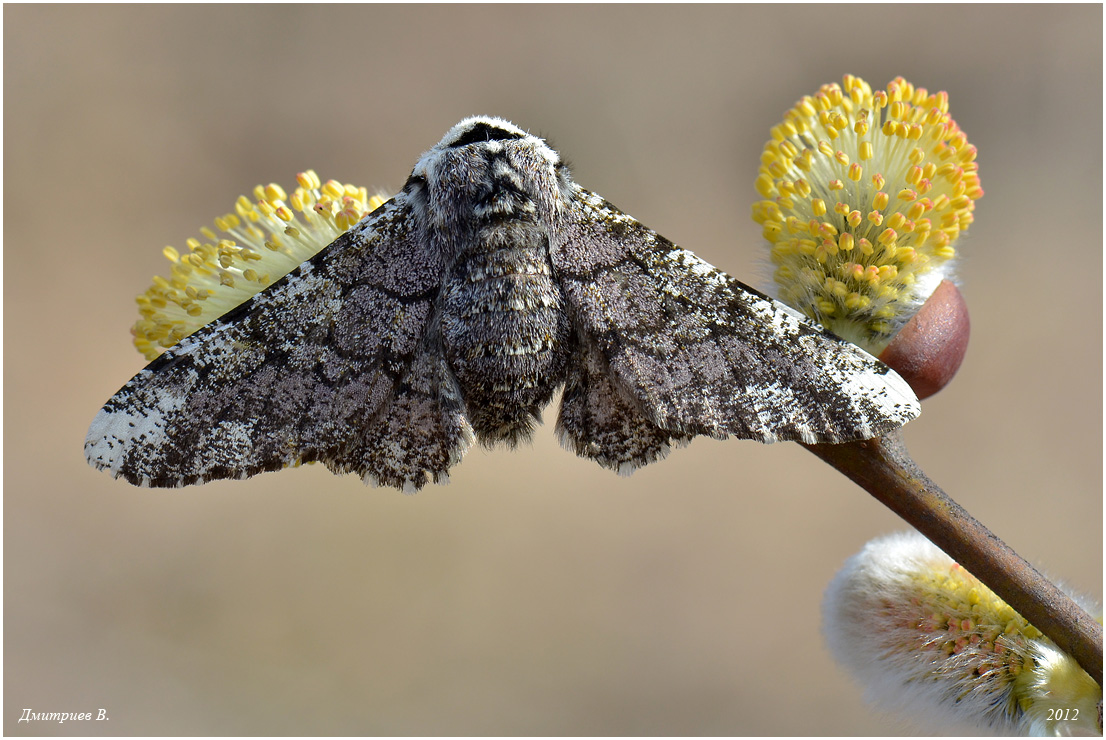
925	638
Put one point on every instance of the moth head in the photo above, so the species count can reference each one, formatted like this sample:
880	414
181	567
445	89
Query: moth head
483	158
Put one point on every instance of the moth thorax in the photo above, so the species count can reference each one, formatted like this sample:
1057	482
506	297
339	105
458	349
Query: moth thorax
504	328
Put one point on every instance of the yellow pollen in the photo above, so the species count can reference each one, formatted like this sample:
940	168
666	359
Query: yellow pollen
849	168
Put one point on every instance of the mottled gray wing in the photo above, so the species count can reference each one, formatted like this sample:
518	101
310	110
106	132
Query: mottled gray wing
332	355
694	351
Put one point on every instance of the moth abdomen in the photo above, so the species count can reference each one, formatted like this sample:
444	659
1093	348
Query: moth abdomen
504	328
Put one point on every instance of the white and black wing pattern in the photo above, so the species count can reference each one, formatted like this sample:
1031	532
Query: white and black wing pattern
692	351
330	363
454	312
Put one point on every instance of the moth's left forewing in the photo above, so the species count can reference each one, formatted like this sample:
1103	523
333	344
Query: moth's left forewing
294	374
701	353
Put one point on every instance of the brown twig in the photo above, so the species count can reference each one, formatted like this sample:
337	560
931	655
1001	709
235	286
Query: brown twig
883	468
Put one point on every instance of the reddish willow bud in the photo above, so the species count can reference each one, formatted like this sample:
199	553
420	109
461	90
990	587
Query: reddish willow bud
928	351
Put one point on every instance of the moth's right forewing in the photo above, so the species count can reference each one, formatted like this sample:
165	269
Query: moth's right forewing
292	375
701	353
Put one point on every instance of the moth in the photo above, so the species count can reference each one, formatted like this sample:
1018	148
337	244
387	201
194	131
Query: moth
455	311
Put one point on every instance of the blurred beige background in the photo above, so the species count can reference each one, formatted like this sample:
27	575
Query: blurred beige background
538	593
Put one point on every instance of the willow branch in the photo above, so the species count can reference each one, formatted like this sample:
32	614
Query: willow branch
883	468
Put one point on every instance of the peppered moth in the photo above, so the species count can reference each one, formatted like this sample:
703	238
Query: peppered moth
456	310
